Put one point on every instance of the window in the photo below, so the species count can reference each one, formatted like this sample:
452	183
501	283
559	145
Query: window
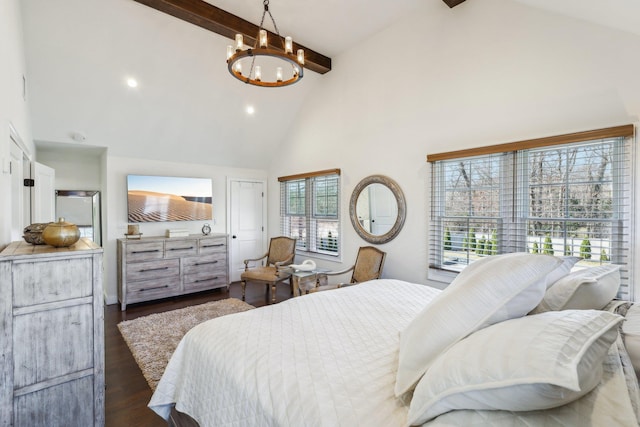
310	211
568	195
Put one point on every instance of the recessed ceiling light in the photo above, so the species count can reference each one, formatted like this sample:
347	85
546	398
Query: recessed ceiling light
131	82
250	110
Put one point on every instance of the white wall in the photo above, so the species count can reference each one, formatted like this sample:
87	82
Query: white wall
117	169
494	71
13	106
76	169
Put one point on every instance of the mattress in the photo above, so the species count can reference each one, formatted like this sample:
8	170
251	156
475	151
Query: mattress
330	359
324	359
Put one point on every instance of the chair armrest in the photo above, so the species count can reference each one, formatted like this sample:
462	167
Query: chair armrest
331	273
336	273
246	261
284	263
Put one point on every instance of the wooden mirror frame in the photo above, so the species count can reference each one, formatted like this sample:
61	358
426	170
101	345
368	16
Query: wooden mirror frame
402	209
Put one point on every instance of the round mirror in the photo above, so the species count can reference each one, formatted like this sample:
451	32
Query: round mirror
377	209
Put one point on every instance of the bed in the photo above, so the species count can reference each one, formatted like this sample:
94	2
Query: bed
332	359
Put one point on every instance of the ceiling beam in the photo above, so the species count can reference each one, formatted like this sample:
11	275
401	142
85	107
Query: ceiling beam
205	15
453	3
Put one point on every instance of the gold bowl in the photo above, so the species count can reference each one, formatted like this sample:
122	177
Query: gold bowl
61	234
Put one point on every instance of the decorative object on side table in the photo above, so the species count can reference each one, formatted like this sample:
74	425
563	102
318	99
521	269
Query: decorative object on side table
61	234
307	265
206	229
33	233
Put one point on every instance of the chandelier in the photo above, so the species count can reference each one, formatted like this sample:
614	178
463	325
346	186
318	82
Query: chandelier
288	66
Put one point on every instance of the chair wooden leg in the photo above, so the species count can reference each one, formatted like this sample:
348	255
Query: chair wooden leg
273	293
243	284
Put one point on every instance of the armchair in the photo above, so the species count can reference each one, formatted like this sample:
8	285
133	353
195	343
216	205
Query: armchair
281	253
368	266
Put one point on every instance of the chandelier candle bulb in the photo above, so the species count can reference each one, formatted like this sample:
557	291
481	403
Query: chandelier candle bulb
288	45
238	68
263	38
229	52
258	73
279	74
239	42
301	56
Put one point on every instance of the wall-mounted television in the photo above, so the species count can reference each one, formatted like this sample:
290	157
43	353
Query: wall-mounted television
168	198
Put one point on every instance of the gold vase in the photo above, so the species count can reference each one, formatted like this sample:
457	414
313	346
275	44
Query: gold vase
61	234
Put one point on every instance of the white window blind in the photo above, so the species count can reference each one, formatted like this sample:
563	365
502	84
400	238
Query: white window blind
310	211
561	199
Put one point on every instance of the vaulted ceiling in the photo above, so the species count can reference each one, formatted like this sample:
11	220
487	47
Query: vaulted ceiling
187	107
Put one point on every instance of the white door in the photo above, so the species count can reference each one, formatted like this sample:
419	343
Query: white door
384	209
20	202
246	224
43	197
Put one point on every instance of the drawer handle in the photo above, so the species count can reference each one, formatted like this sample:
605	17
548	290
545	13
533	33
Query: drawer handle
206	280
181	249
150	289
145	252
213	246
205	263
154	269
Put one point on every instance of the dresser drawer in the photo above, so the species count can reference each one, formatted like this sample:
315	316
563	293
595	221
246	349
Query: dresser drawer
52	343
180	248
212	246
153	269
49	281
203	264
146	290
208	280
66	404
144	251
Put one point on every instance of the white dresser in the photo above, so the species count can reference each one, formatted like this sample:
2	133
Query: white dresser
160	267
51	335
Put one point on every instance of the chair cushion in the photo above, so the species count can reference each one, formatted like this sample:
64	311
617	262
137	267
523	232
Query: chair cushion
264	274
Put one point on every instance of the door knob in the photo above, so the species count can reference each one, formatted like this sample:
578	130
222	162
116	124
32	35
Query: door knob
233	237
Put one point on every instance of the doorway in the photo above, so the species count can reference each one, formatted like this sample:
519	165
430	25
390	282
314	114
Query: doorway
247	219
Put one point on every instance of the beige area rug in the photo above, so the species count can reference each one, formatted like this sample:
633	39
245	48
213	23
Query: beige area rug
152	339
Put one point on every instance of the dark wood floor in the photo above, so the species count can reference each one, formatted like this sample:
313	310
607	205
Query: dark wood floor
127	392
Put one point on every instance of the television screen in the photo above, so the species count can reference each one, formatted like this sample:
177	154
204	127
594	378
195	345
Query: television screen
166	198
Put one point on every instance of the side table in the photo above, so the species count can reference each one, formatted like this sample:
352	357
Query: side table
304	281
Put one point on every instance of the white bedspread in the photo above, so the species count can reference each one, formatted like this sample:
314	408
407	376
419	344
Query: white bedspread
317	360
330	359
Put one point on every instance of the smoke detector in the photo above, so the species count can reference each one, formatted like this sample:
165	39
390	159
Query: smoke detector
78	137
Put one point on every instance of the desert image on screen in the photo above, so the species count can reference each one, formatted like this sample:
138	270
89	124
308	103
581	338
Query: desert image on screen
160	199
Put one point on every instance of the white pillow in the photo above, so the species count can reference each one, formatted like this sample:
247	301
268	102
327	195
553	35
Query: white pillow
631	335
588	288
530	363
567	264
490	290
